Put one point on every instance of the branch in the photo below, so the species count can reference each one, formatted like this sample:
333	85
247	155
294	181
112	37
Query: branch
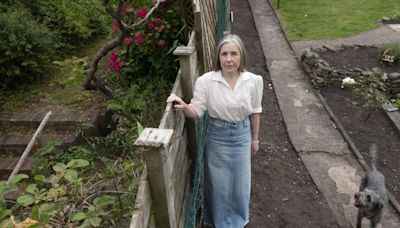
92	82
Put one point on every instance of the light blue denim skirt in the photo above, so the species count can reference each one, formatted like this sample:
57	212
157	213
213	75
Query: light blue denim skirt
227	173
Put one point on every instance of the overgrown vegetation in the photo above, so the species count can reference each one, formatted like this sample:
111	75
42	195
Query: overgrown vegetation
35	32
372	89
78	187
26	45
95	184
392	50
324	19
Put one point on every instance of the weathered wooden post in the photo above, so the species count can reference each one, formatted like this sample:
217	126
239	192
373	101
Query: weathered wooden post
188	74
156	143
198	29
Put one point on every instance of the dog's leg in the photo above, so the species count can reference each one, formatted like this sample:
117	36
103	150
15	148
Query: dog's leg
376	219
374	224
359	218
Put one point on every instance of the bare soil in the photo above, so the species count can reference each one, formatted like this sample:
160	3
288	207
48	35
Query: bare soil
353	116
283	193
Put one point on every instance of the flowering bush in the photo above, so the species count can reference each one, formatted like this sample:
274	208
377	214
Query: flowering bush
147	51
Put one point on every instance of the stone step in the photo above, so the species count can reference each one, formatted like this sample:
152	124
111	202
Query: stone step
13	145
62	118
32	125
7	165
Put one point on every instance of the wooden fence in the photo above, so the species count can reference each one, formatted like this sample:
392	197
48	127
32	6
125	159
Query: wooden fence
169	149
166	151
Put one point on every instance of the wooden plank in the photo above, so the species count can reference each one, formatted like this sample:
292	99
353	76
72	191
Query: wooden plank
181	177
184	54
154	137
156	143
199	37
157	182
182	214
192	40
179	125
170	156
169	113
142	209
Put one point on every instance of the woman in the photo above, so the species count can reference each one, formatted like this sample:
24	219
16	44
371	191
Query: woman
232	96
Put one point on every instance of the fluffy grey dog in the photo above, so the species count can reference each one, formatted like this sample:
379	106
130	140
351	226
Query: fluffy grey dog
372	197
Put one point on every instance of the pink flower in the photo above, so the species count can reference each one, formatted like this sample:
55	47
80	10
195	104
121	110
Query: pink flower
126	8
161	42
141	13
114	64
157	20
160	29
151	24
127	40
115	26
114	56
139	39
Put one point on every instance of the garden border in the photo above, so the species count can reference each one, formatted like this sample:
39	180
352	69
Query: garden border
318	71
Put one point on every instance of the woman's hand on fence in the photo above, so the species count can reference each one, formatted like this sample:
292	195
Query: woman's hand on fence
177	102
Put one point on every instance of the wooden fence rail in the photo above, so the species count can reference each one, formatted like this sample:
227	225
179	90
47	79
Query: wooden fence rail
166	152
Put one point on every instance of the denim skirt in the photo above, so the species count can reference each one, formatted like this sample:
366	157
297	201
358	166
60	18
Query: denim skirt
227	173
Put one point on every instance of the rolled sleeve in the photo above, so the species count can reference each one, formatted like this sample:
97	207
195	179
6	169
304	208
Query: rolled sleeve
258	93
199	100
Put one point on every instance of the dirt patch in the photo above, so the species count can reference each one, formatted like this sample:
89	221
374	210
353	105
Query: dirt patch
349	109
283	193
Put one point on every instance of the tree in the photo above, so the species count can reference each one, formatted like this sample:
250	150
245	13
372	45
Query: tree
125	27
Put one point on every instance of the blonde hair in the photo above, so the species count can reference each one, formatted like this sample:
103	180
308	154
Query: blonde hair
231	38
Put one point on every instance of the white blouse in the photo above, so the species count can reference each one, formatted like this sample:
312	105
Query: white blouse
212	93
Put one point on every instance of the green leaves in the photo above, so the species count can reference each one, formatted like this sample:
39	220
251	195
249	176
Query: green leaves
25	200
42	212
72	176
4	213
92	217
59	167
76	163
79	216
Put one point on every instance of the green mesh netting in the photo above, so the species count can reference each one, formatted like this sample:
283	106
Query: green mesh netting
196	195
223	24
195	204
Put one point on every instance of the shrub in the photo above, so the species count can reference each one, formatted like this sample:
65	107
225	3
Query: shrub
147	52
26	46
75	22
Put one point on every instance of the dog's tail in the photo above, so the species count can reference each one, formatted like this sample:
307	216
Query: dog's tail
373	156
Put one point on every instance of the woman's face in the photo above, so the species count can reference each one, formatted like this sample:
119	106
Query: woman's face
229	57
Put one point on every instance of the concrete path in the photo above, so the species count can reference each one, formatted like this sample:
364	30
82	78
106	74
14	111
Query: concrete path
313	135
378	36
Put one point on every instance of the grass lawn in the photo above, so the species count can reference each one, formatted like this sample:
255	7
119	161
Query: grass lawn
323	19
